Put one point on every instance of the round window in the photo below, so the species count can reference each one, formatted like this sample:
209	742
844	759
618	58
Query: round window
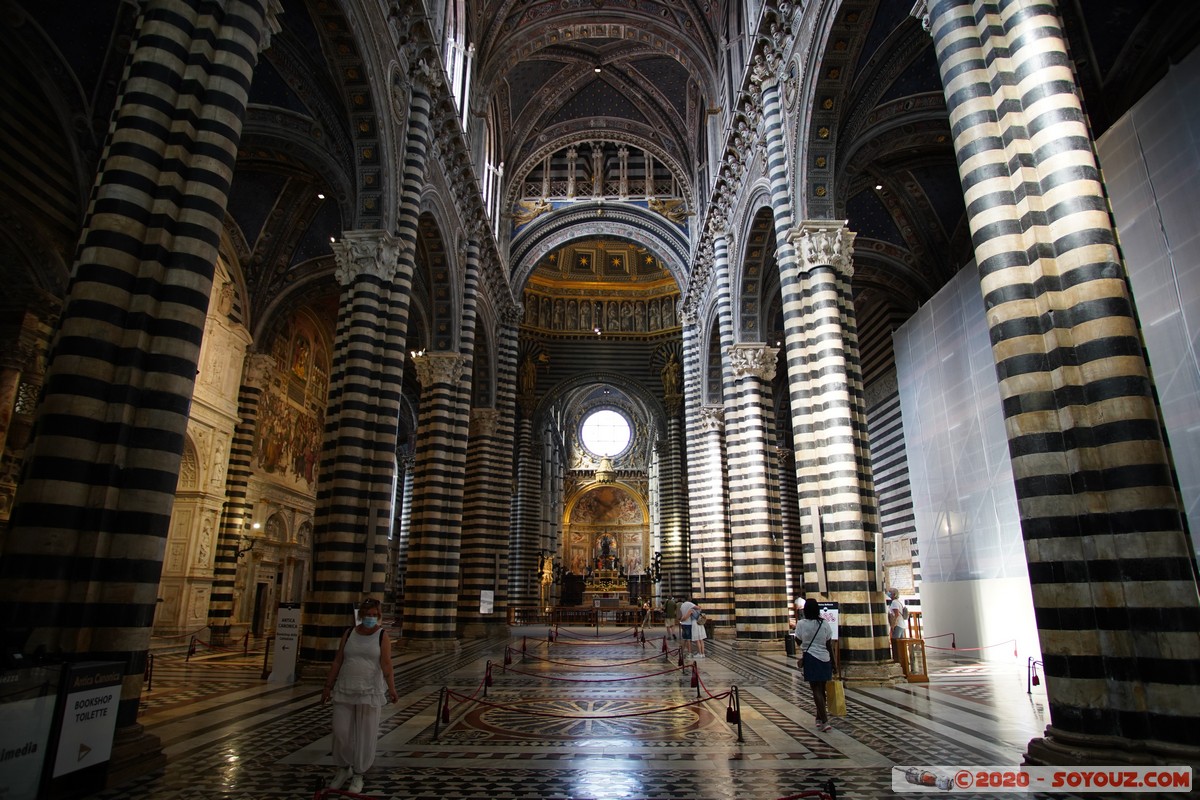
605	432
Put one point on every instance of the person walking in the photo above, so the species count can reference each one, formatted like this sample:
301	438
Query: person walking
671	617
360	682
689	615
816	663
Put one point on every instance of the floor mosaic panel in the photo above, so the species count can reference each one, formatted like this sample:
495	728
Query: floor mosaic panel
625	725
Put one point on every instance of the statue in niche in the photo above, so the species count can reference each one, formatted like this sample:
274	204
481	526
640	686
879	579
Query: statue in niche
572	315
606	552
558	315
639	316
655	322
668	314
627	316
614	316
585	315
527	377
670	376
544	318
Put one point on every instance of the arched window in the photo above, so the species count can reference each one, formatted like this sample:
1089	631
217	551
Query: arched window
457	56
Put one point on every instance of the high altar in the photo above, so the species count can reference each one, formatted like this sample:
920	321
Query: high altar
605	584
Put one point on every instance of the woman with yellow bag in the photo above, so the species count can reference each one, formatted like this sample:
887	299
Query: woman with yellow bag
813	634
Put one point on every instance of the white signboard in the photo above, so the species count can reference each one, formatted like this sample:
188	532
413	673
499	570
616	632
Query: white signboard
89	717
287	639
487	601
24	732
829	613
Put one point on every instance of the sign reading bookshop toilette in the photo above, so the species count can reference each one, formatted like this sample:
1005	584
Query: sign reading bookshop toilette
93	690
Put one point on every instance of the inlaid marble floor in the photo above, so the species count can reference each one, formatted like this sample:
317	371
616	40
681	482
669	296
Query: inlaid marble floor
582	718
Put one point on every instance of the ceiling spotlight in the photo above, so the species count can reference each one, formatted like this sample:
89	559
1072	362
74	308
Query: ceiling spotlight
597	69
596	331
332	239
879	187
320	196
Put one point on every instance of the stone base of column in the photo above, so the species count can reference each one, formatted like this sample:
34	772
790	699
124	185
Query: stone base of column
1064	748
430	645
875	673
485	630
764	647
134	753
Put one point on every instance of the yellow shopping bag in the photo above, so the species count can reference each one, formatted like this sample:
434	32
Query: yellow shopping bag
835	696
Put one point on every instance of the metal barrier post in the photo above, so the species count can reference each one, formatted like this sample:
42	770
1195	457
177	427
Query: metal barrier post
266	672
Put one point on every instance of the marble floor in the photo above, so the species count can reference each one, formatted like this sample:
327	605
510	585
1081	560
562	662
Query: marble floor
591	715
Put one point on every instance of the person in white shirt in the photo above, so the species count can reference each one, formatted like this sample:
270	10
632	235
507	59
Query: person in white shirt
896	617
689	616
816	661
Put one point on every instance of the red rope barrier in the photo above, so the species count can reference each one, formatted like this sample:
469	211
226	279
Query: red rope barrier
516	707
1013	642
618	634
594	680
609	665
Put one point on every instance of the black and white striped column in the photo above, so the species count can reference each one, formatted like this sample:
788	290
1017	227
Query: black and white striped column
358	461
833	460
1110	564
431	574
236	514
754	531
84	550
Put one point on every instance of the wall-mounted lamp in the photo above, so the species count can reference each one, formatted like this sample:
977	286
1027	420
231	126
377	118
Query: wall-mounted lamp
247	544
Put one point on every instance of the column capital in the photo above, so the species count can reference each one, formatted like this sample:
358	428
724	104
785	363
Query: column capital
271	24
484	421
366	252
258	367
512	314
824	243
754	360
920	11
712	419
434	368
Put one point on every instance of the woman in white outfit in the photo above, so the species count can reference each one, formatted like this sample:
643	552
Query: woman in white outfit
360	682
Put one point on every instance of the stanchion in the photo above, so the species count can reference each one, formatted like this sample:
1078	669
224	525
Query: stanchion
148	676
266	673
443	708
246	643
487	678
734	711
1031	676
696	680
191	649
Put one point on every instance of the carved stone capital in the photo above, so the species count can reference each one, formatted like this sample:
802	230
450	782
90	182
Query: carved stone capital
484	421
920	11
512	315
258	367
754	360
365	252
712	419
271	24
824	243
435	368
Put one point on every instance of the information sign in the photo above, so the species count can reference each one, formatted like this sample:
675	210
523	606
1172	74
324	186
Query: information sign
287	640
89	718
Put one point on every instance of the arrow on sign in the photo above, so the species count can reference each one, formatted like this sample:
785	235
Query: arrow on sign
83	751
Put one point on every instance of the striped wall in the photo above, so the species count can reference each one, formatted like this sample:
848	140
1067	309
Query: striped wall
101	471
889	460
1114	588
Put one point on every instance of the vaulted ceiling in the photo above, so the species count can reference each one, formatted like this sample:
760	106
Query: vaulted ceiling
308	168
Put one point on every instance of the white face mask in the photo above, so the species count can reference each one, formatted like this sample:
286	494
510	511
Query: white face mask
370	622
